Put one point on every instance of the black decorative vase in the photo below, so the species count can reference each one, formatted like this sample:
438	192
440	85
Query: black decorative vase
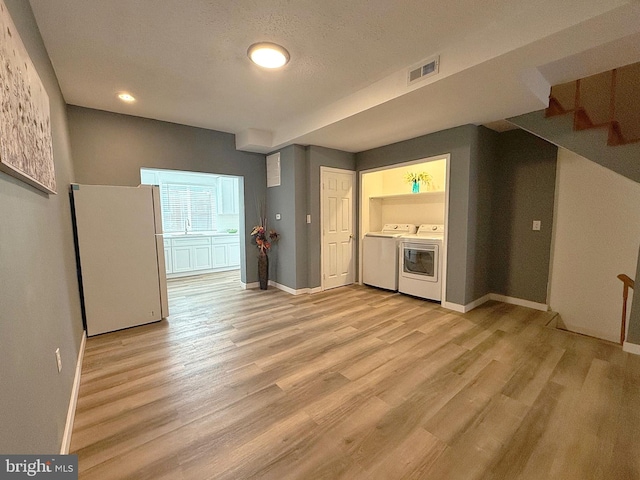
263	270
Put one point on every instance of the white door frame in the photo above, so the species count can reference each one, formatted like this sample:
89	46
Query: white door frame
354	212
445	242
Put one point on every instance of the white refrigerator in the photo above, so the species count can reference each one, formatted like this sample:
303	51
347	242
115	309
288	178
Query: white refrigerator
120	255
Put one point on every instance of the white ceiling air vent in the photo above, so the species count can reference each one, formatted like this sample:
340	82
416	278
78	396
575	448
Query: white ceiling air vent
423	70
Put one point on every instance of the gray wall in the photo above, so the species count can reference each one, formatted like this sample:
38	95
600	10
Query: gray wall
39	303
322	157
524	189
110	149
287	260
463	193
295	261
479	234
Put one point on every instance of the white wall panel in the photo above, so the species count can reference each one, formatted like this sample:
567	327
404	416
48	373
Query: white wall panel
596	237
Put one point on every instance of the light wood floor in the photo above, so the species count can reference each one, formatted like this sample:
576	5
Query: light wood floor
353	383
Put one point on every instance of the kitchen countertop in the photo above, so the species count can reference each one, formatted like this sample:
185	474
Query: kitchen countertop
200	234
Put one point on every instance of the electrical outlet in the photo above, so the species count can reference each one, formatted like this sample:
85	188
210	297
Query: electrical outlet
151	313
278	216
536	225
308	218
58	360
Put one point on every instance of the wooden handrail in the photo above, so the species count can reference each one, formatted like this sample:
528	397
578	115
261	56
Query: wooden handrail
626	283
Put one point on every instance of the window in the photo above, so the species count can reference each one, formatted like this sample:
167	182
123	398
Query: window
195	202
188	207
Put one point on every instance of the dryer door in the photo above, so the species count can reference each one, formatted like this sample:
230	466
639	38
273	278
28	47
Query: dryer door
419	261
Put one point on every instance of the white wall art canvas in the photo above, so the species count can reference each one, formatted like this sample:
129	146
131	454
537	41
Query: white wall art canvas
26	150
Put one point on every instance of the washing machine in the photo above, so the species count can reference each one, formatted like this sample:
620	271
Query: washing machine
420	262
380	255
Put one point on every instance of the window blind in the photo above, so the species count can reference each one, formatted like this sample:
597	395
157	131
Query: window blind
187	207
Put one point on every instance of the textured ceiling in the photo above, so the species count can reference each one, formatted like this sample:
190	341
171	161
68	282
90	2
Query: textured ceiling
185	61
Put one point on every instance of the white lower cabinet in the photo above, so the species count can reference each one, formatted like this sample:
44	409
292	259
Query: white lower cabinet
168	262
182	260
219	256
202	257
233	255
201	253
191	254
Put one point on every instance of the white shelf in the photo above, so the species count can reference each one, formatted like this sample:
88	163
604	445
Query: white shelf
405	196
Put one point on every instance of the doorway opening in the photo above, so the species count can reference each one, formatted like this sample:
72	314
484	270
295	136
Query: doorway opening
387	196
201	230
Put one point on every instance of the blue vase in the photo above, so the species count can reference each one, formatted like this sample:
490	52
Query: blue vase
416	187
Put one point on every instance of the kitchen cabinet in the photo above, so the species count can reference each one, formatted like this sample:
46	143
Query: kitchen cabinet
190	254
233	254
193	254
168	262
226	251
227	196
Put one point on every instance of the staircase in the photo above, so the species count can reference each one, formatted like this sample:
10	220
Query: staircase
597	117
609	100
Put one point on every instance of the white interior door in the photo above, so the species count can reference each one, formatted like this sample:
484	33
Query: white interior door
337	227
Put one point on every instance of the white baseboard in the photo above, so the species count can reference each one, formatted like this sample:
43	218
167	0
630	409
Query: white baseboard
633	348
73	401
494	296
468	307
453	306
519	301
292	291
476	303
284	288
248	286
279	286
315	290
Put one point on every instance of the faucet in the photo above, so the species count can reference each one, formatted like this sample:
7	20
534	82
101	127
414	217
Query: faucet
187	225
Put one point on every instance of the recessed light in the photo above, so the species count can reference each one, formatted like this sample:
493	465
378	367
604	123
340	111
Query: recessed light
126	97
268	55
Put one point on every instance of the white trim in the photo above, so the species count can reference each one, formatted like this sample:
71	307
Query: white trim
494	296
73	401
453	306
445	243
633	348
476	303
445	240
279	286
519	301
292	291
284	288
469	306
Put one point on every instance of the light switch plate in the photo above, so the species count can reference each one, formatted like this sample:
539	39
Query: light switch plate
278	216
308	218
536	225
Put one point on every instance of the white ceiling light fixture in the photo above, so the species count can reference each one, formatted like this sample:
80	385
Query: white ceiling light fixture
268	55
126	97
